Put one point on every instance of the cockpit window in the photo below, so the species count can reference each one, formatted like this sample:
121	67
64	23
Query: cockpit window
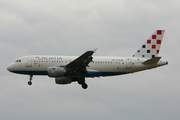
18	61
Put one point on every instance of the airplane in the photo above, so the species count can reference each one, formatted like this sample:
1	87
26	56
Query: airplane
67	69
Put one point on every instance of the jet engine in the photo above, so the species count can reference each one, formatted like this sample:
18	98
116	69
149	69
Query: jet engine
63	80
56	71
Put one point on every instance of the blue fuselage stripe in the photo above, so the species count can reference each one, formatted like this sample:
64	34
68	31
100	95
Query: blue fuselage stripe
85	74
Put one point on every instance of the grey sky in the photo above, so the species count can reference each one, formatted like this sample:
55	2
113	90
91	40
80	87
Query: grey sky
70	27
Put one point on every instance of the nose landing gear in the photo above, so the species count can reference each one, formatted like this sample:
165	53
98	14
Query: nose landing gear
30	78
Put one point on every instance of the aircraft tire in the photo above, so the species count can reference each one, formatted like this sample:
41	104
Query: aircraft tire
84	86
29	83
80	82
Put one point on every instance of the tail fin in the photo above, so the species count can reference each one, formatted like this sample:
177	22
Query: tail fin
151	47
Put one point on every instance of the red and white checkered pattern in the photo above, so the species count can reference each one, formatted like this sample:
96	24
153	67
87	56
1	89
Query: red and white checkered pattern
152	45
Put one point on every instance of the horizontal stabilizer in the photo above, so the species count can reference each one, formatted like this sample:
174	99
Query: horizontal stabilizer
152	60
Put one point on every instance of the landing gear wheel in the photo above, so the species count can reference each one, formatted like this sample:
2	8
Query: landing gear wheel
84	86
80	82
29	83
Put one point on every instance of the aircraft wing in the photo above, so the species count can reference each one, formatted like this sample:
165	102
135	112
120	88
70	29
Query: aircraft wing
81	62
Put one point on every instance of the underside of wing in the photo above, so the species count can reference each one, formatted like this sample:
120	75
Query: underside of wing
81	62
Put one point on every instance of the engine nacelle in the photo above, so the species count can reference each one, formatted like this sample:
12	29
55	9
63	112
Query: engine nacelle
56	71
63	80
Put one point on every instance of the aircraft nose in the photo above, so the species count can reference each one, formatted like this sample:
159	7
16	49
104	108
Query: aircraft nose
10	67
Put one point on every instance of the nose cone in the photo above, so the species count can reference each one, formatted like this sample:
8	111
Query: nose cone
10	67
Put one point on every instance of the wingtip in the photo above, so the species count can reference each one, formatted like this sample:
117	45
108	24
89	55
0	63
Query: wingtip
95	50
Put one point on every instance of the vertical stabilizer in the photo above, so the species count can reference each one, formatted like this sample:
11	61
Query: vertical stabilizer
151	47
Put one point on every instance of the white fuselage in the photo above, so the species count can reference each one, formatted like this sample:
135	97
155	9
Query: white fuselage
67	69
100	66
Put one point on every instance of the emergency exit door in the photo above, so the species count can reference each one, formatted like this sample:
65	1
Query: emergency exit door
128	63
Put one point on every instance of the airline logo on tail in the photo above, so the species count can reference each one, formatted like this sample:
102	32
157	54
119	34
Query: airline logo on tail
151	47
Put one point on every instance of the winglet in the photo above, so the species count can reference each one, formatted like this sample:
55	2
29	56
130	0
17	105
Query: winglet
94	50
152	60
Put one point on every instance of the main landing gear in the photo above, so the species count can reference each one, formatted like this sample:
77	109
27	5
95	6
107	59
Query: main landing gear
30	78
81	81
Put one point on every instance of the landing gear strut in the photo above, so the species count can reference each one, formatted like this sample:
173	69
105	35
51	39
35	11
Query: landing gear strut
30	78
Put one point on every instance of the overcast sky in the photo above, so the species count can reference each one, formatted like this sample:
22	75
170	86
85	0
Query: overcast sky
71	27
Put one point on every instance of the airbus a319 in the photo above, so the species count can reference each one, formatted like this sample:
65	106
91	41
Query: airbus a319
67	69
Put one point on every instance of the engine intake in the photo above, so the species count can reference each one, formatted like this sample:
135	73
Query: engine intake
63	80
56	71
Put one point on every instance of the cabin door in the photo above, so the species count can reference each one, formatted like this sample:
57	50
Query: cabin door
29	62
